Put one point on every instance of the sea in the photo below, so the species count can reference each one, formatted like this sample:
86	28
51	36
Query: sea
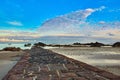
20	45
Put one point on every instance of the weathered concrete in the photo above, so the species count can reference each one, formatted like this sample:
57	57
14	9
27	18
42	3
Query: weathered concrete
41	64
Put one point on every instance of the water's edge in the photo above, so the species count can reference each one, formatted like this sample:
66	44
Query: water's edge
5	67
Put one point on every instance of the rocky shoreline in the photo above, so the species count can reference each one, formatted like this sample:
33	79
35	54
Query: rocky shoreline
42	64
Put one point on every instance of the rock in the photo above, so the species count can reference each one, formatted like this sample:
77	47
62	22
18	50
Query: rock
97	44
11	49
117	44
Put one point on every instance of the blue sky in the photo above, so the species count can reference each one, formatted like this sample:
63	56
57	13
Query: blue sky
29	17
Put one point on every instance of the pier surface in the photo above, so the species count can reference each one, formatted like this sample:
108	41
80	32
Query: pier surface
42	64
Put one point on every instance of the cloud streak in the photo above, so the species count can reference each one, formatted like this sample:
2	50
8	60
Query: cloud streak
15	23
12	40
17	36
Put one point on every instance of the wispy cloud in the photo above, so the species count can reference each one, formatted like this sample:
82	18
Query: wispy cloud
89	11
70	23
108	33
18	33
15	23
17	36
11	40
100	8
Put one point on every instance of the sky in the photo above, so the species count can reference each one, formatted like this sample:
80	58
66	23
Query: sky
60	21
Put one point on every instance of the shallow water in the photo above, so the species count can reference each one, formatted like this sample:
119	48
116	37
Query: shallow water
21	45
94	56
5	66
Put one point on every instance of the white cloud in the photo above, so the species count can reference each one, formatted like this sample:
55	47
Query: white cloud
101	8
75	24
69	23
15	23
89	11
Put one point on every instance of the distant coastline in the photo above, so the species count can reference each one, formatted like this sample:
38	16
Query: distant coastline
77	44
41	44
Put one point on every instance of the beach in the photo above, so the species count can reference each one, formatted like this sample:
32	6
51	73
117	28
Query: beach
7	60
106	58
43	64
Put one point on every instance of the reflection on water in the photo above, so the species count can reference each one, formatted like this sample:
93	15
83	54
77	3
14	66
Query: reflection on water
5	66
94	56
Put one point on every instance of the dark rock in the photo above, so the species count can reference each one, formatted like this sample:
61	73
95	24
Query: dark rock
117	44
97	44
11	49
27	45
39	44
76	43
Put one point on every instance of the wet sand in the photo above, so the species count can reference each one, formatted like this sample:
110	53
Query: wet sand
7	60
104	58
10	55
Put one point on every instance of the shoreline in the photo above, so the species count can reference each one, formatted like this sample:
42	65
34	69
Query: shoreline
11	55
21	69
8	59
22	63
5	66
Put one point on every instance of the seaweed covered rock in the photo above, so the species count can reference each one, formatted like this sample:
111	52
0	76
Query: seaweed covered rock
11	49
97	44
27	45
39	44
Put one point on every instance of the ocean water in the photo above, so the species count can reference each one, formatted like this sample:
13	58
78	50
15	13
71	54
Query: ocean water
21	45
